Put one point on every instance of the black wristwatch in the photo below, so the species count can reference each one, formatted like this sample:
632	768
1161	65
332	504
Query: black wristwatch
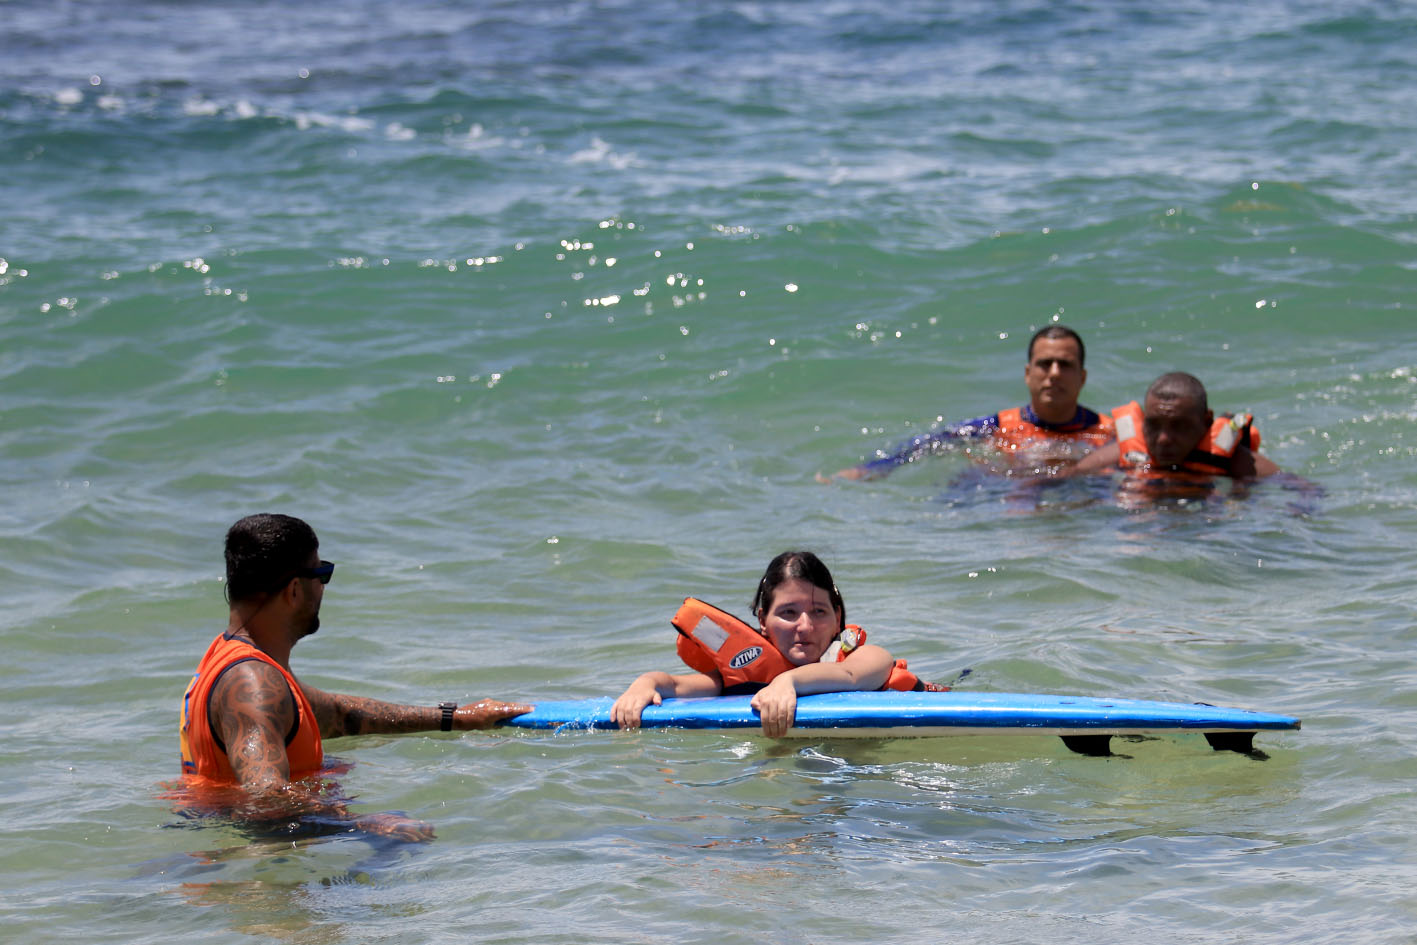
448	709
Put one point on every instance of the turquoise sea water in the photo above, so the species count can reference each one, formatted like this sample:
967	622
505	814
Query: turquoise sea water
545	315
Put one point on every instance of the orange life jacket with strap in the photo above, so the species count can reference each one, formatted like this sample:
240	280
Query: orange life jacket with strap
713	641
202	752
1214	455
1017	429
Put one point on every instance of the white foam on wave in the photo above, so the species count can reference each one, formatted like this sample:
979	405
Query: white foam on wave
306	120
477	139
198	107
601	152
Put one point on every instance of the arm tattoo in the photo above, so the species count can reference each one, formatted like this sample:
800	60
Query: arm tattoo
339	714
252	710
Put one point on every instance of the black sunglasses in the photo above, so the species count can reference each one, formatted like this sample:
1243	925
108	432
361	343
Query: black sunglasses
322	572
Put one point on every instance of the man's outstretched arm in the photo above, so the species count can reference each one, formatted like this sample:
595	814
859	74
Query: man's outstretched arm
915	447
1100	460
340	714
1251	465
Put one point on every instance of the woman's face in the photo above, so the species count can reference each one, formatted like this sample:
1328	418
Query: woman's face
800	621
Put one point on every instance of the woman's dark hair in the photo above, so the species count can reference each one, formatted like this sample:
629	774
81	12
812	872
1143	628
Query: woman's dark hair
263	552
796	566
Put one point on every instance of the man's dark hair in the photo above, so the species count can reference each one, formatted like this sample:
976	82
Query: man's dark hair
1179	385
796	566
263	552
1058	331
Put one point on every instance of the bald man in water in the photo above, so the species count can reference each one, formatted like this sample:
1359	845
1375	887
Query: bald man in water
1175	434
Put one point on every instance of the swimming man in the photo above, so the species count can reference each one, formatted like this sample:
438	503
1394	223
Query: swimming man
1052	430
1176	434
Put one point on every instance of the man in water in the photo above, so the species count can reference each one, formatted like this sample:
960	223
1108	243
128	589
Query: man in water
246	719
1176	436
1052	430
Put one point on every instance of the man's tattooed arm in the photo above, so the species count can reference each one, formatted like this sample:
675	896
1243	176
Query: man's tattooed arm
340	714
252	709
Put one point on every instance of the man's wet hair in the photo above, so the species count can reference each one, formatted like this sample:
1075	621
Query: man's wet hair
263	552
796	566
1178	385
1058	331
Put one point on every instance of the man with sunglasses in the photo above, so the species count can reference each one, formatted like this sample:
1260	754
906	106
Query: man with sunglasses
246	719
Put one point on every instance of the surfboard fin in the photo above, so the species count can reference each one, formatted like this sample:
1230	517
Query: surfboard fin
1243	742
1096	746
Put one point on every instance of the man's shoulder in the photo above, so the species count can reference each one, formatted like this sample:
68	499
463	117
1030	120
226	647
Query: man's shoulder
979	426
252	694
250	676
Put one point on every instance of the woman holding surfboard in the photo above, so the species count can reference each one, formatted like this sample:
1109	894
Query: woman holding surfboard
802	645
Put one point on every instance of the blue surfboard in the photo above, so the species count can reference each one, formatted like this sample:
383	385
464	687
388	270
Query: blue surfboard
1085	724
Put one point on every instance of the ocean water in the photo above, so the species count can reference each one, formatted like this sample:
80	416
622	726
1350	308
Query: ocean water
545	316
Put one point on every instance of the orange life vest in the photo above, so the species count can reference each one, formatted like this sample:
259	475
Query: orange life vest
202	754
714	641
1213	456
1016	430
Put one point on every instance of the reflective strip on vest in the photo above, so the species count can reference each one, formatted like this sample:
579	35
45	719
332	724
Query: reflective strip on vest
1126	427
